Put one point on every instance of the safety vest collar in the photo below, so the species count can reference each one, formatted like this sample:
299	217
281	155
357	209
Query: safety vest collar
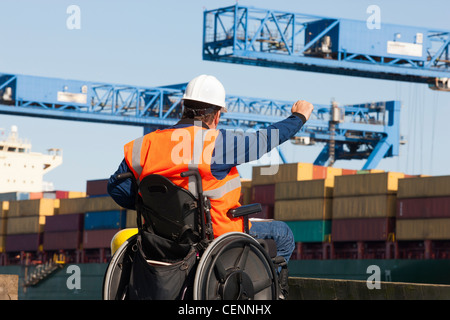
192	122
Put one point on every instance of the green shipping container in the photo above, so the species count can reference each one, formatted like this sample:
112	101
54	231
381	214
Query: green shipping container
310	230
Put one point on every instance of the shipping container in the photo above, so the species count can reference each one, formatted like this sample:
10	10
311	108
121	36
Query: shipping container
66	222
112	219
366	184
423	229
364	229
80	205
296	190
96	187
49	195
437	186
14	196
23	242
25	225
131	217
4	209
373	206
282	173
63	240
2	243
333	172
98	238
263	194
246	196
348	171
35	207
310	230
305	209
246	192
433	207
3	224
267	212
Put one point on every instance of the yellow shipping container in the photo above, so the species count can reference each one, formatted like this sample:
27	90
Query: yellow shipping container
333	172
76	194
422	229
366	184
418	187
296	190
23	225
305	209
373	206
81	205
4	209
282	173
35	207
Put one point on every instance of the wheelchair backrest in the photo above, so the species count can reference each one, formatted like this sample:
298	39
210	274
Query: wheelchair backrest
171	211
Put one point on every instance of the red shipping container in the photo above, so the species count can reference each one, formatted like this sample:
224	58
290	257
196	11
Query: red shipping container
65	222
420	208
93	239
36	195
348	171
66	240
362	229
23	242
319	172
264	194
96	187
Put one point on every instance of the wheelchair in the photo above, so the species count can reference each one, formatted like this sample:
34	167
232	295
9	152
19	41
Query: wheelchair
173	254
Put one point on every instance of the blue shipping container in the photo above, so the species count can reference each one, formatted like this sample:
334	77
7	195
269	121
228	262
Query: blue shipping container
98	220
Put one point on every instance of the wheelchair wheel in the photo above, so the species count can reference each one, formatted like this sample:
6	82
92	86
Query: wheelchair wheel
235	267
118	272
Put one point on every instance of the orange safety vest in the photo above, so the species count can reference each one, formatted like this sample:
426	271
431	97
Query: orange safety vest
170	152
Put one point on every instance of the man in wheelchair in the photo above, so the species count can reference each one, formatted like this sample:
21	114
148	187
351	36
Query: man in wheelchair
184	184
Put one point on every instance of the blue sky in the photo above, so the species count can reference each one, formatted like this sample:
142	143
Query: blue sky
154	43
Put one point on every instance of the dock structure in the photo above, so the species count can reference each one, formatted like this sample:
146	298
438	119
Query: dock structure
338	289
9	287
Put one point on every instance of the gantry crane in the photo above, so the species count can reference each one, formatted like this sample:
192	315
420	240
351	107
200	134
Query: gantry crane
365	131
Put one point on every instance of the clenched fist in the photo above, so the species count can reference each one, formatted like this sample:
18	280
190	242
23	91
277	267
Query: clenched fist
303	107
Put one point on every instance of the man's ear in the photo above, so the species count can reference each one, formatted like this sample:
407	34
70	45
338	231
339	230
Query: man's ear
217	118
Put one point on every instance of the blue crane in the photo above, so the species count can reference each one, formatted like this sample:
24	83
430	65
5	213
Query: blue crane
277	39
366	131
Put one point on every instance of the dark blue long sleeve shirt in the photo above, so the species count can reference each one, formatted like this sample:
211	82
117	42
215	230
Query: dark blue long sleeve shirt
232	148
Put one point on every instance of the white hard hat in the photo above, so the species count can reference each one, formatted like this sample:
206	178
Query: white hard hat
206	89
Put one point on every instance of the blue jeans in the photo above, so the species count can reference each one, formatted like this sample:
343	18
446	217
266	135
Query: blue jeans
279	232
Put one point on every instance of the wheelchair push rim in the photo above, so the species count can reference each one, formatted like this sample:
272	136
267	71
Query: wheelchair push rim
114	270
235	267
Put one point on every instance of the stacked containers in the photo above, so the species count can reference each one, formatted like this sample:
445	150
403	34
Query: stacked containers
423	209
264	179
103	216
364	206
306	208
25	223
246	192
4	207
63	232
